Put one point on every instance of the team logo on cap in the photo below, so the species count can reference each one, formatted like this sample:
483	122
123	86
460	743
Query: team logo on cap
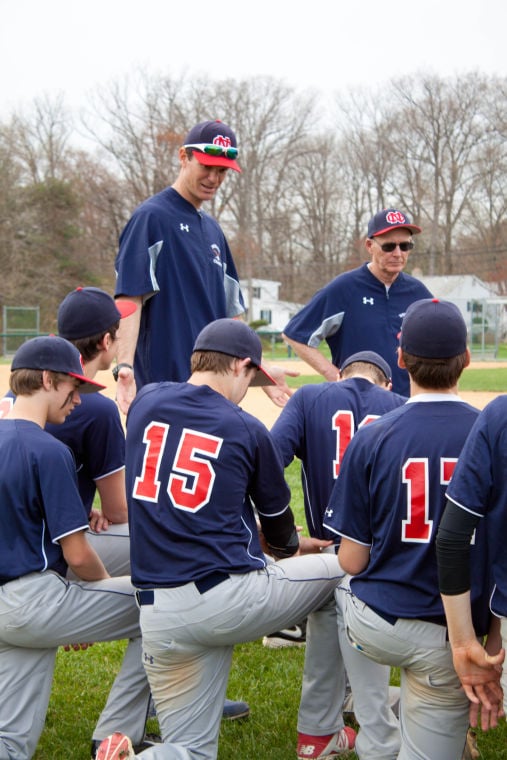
395	217
224	142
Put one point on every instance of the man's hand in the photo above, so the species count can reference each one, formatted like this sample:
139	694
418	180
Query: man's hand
126	389
279	393
309	545
97	521
479	673
78	647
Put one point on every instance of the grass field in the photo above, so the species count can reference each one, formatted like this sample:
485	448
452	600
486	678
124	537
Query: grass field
269	680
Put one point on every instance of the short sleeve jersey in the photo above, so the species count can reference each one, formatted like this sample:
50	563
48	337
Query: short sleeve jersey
479	486
390	496
195	463
95	435
39	497
178	259
316	425
356	312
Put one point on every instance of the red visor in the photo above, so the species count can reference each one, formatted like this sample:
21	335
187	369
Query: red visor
207	160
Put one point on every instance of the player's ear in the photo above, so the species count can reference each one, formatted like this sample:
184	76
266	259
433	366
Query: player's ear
47	380
469	357
401	363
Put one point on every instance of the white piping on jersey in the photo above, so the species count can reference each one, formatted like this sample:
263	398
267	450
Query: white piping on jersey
106	474
462	506
328	327
70	533
42	546
274	514
435	397
252	556
153	253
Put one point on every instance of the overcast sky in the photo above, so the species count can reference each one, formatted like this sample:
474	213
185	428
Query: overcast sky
63	46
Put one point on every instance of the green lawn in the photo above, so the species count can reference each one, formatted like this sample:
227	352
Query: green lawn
269	680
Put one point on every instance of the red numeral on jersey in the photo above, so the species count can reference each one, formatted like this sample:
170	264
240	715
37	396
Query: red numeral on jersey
343	422
192	489
191	480
417	527
147	485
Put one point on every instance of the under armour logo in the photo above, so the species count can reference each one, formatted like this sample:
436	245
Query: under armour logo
184	227
329	512
148	658
368	300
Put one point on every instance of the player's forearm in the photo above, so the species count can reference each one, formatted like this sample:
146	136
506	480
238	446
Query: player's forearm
314	358
82	559
280	533
113	499
128	333
459	619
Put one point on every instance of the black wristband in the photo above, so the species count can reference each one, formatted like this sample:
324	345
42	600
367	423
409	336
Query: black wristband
118	367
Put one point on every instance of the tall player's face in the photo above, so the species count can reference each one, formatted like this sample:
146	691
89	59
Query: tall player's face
198	183
63	400
386	265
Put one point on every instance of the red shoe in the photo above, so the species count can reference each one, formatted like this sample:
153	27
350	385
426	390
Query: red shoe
115	747
331	745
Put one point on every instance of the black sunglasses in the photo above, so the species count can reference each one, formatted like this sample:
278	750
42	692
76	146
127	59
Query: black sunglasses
390	247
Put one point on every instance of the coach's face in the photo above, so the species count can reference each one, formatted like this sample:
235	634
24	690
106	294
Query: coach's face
387	264
196	182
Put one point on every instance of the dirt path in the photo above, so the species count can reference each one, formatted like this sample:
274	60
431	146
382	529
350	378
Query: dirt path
257	403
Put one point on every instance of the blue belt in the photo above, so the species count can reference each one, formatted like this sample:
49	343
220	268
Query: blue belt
147	596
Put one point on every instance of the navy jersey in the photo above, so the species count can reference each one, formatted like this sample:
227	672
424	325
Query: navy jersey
39	497
390	496
95	435
177	258
316	425
195	462
479	485
357	312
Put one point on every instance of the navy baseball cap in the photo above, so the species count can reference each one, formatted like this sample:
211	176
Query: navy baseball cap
369	357
90	311
433	329
234	338
390	219
55	354
215	144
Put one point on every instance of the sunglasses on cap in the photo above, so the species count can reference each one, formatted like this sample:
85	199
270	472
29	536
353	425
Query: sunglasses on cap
214	150
390	247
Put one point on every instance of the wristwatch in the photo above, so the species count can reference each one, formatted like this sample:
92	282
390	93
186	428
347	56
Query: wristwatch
118	367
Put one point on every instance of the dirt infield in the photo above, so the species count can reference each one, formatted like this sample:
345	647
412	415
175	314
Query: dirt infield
257	403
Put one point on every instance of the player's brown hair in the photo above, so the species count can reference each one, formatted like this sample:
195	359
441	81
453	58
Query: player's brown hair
365	368
211	361
87	347
26	382
435	373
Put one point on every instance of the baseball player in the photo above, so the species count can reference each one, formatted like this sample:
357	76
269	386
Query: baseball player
43	531
362	309
175	263
386	506
477	494
196	464
316	426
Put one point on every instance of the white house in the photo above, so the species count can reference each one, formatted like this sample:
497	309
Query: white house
266	304
483	310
